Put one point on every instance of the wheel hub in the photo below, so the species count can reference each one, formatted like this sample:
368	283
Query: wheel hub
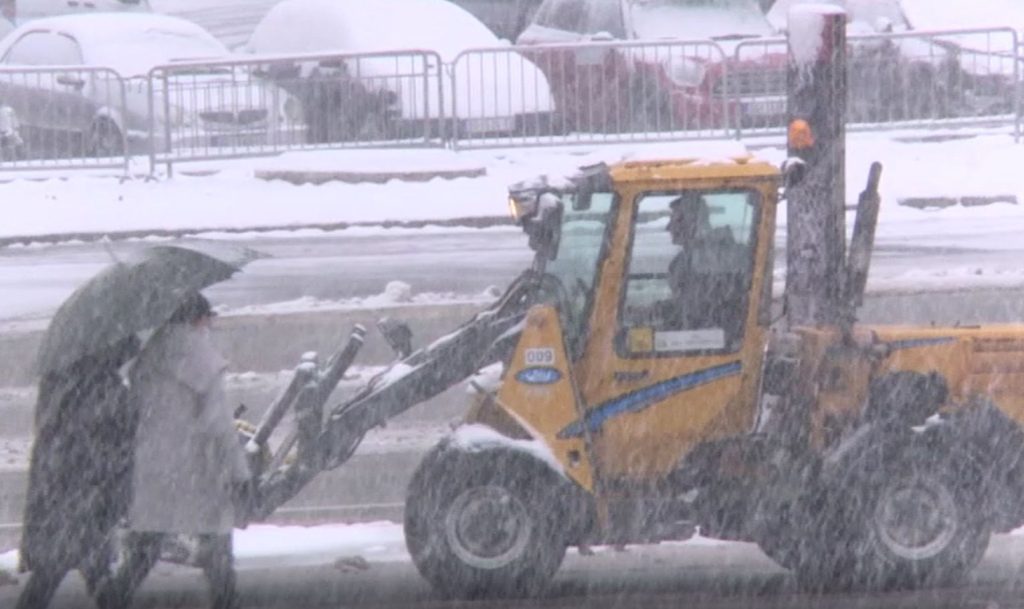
917	519
488	527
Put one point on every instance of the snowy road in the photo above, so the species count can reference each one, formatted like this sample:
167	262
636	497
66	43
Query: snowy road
464	262
704	574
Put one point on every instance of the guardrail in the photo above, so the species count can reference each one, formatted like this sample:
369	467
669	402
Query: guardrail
64	118
595	92
265	105
921	79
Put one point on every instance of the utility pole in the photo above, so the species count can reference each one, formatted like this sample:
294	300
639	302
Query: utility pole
816	234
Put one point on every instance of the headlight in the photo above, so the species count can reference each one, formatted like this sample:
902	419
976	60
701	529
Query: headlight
686	72
522	204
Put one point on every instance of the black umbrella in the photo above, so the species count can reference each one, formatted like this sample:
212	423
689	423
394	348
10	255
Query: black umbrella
128	297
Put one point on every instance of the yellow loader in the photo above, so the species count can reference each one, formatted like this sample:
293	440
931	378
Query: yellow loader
636	384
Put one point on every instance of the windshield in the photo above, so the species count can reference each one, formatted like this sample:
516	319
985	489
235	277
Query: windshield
579	251
698	19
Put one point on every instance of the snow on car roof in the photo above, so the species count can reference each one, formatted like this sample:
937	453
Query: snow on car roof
307	26
131	43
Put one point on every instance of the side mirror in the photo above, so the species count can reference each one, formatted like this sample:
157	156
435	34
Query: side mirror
544	228
69	80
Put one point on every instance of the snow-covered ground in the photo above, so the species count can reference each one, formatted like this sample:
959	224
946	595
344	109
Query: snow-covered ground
233	198
346	546
226	201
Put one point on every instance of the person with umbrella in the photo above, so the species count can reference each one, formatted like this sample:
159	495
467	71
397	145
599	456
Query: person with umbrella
189	463
86	417
79	475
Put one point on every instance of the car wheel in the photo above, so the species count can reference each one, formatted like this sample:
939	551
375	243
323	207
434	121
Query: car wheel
485	524
104	139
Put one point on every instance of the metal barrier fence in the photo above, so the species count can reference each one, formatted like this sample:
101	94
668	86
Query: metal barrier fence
916	79
63	118
594	92
597	92
256	106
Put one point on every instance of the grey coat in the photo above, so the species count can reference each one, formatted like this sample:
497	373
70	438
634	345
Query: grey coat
188	456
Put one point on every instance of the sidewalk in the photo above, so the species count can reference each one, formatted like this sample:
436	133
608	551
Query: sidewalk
228	197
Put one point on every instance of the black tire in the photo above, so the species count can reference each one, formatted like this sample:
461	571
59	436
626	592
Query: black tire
104	139
914	521
454	499
925	524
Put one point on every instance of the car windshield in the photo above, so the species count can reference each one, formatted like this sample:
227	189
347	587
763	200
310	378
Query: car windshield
698	19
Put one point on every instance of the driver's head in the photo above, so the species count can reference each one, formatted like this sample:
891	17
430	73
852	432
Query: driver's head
689	218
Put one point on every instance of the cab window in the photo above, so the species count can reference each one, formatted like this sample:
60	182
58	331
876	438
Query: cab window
689	272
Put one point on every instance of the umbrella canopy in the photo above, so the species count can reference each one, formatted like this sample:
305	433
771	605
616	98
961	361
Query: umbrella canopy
128	297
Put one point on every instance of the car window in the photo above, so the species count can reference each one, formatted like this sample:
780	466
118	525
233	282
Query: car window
44	48
568	15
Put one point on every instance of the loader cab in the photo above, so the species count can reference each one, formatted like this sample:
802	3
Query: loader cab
665	270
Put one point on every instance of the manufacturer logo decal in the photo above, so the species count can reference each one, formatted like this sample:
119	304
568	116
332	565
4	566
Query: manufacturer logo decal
539	375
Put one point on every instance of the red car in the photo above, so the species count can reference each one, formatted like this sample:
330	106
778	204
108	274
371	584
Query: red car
642	73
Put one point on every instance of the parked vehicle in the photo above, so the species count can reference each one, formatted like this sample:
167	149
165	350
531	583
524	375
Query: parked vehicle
77	86
663	84
414	91
901	78
989	63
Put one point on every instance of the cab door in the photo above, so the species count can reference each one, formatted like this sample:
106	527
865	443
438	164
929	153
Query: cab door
676	347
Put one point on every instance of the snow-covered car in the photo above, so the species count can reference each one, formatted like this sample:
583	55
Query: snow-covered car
414	91
658	86
77	85
891	79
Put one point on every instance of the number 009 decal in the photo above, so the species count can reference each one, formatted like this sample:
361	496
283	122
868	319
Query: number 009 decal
540	357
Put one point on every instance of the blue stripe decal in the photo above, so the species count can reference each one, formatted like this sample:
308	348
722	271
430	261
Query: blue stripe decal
919	342
642	399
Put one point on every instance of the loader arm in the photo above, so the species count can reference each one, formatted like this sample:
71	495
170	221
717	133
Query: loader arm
421	376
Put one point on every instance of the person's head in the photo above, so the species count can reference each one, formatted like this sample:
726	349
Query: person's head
194	309
689	218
